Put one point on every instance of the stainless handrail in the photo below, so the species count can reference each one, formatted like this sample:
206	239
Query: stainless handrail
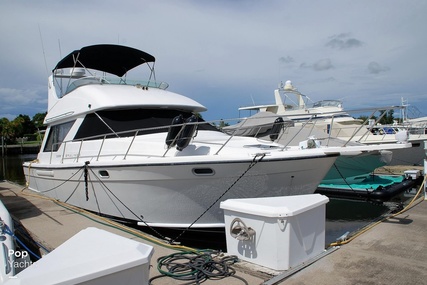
130	145
100	148
137	132
80	149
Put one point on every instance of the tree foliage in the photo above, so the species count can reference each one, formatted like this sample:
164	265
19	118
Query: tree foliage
38	120
21	126
386	119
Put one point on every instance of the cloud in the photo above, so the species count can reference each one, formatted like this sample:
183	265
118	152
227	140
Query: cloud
320	65
21	101
18	96
197	58
375	68
286	59
323	64
343	41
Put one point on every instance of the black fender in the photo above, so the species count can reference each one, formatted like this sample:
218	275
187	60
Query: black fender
276	128
173	131
187	133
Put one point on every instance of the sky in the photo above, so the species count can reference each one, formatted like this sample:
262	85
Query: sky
227	53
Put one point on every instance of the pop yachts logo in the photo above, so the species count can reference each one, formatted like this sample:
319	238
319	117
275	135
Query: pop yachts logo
19	259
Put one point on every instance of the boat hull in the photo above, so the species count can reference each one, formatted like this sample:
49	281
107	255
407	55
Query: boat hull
175	195
412	156
354	169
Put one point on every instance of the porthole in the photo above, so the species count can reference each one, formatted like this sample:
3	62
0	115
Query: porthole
104	174
203	171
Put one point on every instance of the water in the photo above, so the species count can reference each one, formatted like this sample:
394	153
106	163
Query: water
11	167
344	216
341	215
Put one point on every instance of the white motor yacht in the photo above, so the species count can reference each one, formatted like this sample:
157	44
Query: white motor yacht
297	106
356	161
331	119
133	150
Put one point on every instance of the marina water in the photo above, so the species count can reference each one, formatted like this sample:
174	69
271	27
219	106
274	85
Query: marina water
342	216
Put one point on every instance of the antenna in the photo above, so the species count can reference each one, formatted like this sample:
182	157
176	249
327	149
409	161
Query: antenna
44	55
60	51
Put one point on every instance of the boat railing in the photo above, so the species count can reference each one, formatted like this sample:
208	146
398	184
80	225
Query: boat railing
343	125
128	133
327	103
358	130
132	134
101	80
366	130
87	80
363	130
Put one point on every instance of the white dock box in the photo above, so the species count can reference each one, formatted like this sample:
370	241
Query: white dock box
94	257
276	232
412	173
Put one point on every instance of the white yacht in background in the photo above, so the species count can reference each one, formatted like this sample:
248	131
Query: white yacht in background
296	106
356	161
133	150
329	117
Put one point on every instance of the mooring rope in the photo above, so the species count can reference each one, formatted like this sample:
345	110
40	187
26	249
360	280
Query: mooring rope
75	189
57	186
7	230
349	186
365	229
172	241
124	205
27	183
252	164
86	167
107	222
85	172
196	267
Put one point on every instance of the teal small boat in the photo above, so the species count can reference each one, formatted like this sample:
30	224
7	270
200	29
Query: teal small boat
376	188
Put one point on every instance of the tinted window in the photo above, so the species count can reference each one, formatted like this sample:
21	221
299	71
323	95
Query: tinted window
56	136
123	123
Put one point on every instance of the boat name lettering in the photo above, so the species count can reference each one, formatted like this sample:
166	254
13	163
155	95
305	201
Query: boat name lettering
17	253
68	155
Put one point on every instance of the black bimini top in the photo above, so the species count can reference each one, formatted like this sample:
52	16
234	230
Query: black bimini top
114	59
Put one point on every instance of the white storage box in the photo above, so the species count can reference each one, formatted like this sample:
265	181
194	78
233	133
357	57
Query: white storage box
276	232
412	174
94	257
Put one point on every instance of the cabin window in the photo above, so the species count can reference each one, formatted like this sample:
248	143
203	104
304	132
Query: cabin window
57	135
124	123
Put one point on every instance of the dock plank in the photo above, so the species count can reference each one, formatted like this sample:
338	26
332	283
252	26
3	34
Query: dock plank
393	252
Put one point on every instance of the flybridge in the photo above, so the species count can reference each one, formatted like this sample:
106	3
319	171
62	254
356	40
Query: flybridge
114	59
107	58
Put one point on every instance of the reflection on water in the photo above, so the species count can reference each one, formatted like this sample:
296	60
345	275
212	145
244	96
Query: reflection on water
11	167
347	216
341	215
